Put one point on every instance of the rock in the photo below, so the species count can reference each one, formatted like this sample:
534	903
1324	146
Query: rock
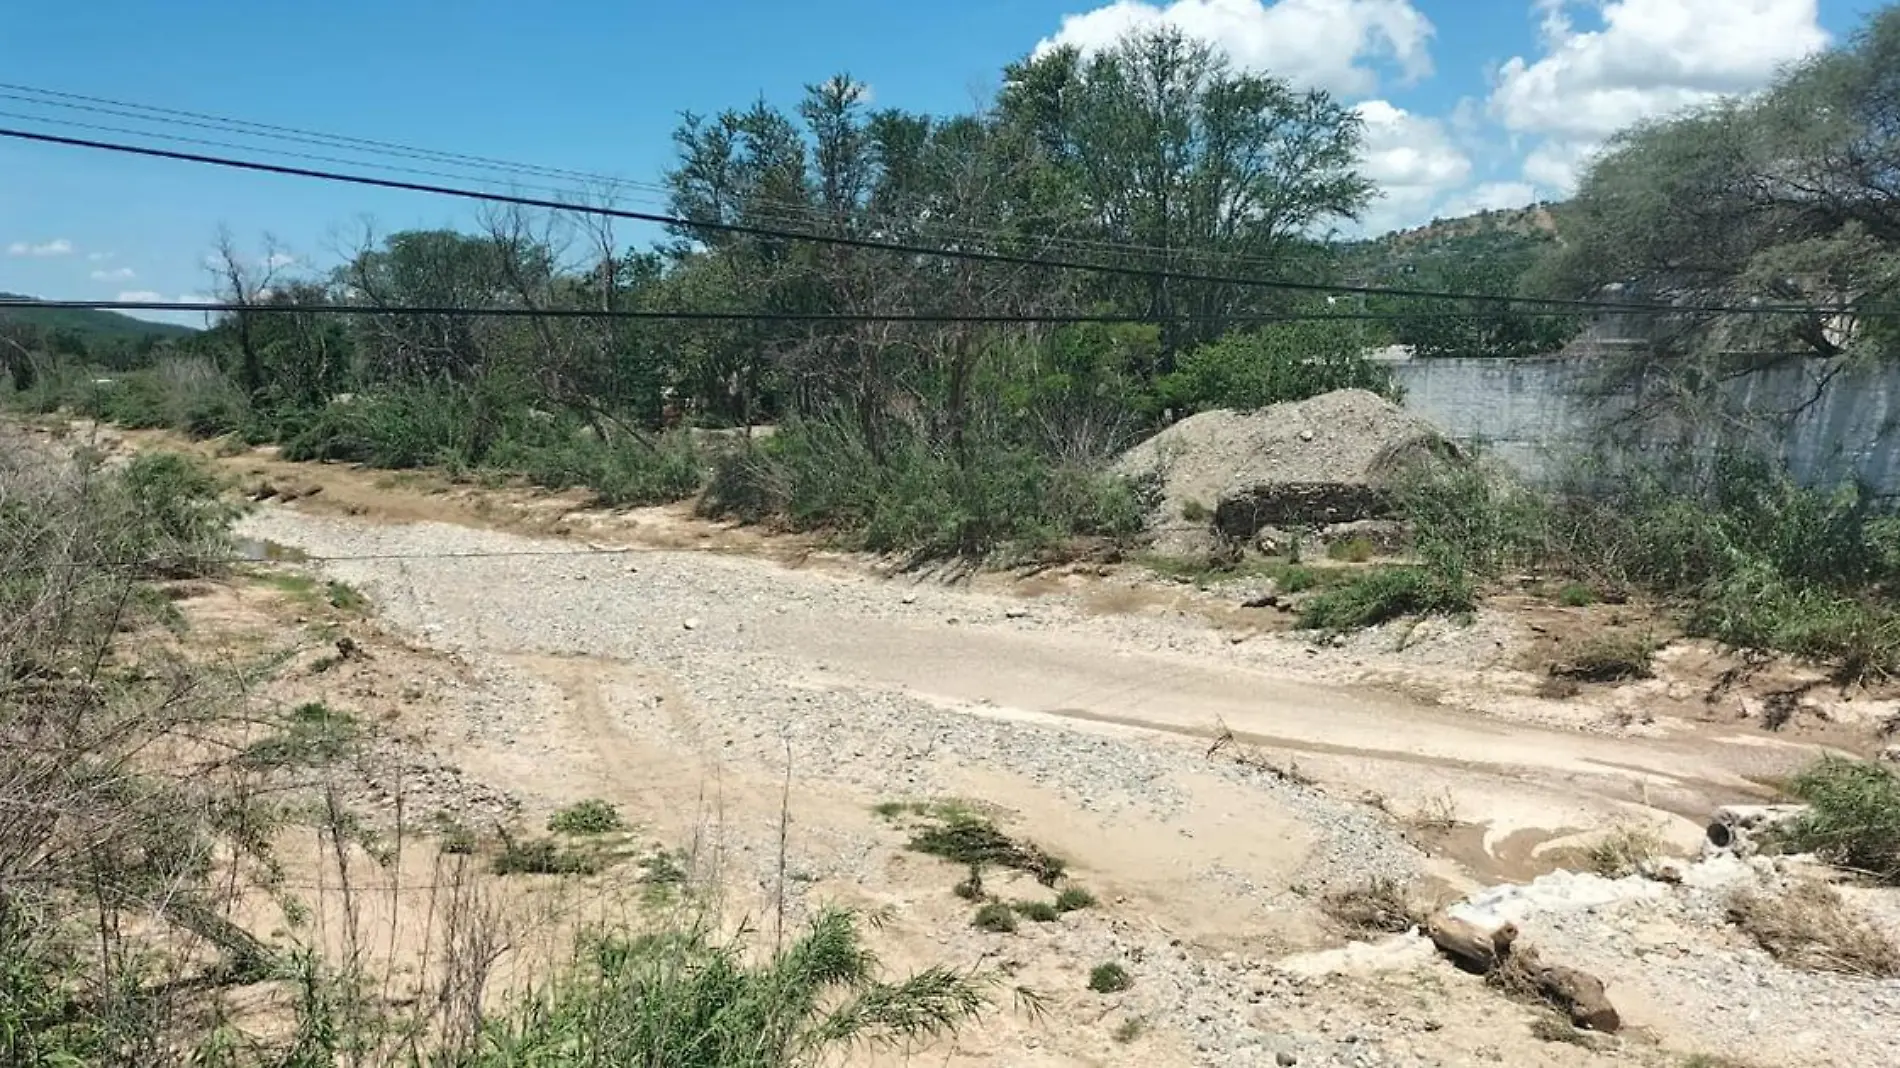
1891	754
1016	613
909	598
691	624
1285	1059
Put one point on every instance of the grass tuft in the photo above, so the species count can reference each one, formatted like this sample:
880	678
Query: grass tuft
1609	658
995	917
1074	899
592	816
1808	926
972	840
1386	594
1110	978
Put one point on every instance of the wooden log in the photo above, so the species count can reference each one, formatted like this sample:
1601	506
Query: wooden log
1474	948
1581	995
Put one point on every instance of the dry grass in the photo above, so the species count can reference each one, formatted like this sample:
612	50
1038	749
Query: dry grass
1624	851
1809	926
1379	906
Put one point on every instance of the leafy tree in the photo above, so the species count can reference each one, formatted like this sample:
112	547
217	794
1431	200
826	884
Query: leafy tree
1283	362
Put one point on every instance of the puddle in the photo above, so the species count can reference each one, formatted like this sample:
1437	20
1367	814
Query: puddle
263	551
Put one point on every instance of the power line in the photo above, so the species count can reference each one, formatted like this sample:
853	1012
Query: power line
864	243
247	128
230	307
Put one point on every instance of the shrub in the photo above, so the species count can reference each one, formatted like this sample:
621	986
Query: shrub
1074	899
916	497
1609	658
1576	595
1386	594
680	998
972	840
1808	926
1110	978
543	856
1623	851
995	917
1379	906
1356	550
592	816
312	735
1274	364
1036	911
1853	818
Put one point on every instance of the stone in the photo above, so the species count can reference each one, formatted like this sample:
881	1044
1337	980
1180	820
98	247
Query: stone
691	624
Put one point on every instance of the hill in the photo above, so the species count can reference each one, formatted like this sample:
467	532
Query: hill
92	326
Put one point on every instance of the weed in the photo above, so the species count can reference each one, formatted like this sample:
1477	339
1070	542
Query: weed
890	810
1074	899
345	598
1623	851
1853	816
1110	978
543	856
1130	1029
968	839
1609	658
1036	911
1194	511
1550	1027
1576	595
1379	906
1385	594
1808	926
971	888
457	840
662	869
1355	550
312	735
1437	814
994	917
592	816
1294	578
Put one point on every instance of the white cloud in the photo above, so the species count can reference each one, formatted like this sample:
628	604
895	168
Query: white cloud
1411	158
1649	58
100	257
277	260
116	274
59	246
1338	45
141	296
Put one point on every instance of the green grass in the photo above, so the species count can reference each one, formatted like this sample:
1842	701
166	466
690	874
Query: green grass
994	917
1110	978
1353	550
1385	594
1853	816
345	598
311	735
973	840
1074	899
1036	911
1576	595
592	816
545	856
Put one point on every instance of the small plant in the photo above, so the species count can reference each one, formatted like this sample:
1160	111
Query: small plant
1809	926
970	839
1624	851
1576	595
1195	512
1354	550
313	735
345	598
543	856
1130	1029
592	816
1036	911
457	840
995	917
1853	816
1295	578
1550	1027
971	888
1379	906
1609	658
1110	978
1438	814
1074	899
1385	594
662	869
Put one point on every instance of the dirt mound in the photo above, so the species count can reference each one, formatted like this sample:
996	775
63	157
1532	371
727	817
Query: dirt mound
1310	463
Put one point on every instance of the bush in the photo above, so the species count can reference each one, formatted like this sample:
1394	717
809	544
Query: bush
919	498
543	856
1808	926
1576	595
1853	818
1387	594
1037	911
1074	899
1609	658
1275	364
974	841
592	816
995	917
1110	978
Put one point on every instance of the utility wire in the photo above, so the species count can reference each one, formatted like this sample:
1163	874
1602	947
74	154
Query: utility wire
871	245
229	307
246	128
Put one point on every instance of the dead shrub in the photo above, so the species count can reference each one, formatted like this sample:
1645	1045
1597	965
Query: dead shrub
1809	926
1378	906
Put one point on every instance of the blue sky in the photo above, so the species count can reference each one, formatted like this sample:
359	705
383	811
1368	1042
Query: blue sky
1469	103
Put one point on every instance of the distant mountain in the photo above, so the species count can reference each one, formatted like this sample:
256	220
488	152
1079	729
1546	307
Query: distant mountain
92	325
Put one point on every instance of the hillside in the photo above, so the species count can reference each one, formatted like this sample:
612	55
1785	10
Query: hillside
92	325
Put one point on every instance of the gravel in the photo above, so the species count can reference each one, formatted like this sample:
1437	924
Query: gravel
688	614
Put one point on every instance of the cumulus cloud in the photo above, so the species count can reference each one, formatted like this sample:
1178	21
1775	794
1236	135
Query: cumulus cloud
116	274
1649	58
1339	45
141	296
1413	160
59	246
